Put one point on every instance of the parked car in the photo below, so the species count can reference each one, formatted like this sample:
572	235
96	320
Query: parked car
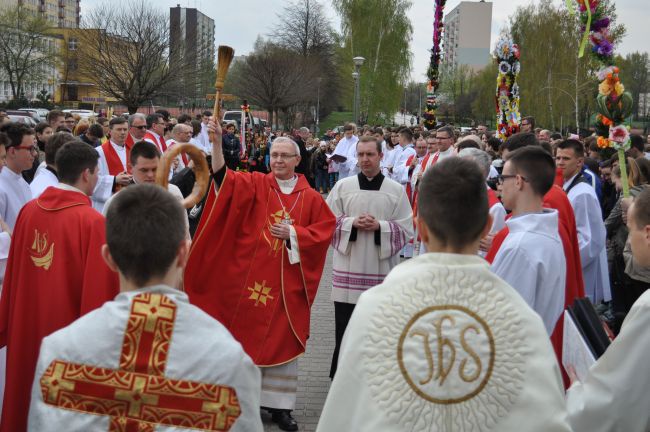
40	112
235	115
84	114
28	118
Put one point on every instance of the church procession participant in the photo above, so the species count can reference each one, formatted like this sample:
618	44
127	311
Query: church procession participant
531	258
279	230
443	343
614	394
156	131
374	222
48	177
144	159
114	169
21	150
347	149
588	215
148	245
55	272
400	169
137	129
496	209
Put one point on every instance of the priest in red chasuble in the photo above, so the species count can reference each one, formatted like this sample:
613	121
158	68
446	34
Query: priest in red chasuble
55	273
256	263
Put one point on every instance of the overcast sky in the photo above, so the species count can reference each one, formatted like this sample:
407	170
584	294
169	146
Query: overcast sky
238	23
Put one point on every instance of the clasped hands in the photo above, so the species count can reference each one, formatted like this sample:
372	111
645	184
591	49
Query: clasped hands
280	231
366	222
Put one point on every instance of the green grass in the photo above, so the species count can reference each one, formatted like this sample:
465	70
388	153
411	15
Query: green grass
335	119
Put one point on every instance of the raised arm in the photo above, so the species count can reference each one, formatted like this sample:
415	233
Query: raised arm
215	134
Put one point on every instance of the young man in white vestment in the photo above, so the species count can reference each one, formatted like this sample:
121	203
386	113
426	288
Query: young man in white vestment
147	360
48	177
347	148
374	221
614	396
443	344
589	220
531	258
400	170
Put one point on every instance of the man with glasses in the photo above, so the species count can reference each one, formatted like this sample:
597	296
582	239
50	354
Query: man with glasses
528	124
156	131
137	129
14	190
531	258
272	231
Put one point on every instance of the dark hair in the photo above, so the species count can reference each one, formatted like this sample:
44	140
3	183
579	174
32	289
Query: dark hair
450	192
53	145
4	140
536	165
207	113
95	130
164	114
143	149
556	136
644	168
591	164
117	121
641	213
72	159
370	138
519	140
530	120
637	142
467	143
153	118
184	118
196	128
349	127
407	133
494	143
145	226
547	147
448	130
378	130
39	128
573	144
15	132
53	115
102	120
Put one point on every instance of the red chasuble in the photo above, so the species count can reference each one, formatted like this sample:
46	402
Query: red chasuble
159	142
556	198
241	275
55	274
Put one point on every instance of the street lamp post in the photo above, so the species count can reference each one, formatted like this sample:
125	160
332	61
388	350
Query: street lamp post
319	79
358	61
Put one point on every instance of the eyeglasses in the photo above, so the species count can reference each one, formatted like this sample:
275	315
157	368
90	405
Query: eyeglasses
442	138
282	156
525	124
143	127
503	177
32	149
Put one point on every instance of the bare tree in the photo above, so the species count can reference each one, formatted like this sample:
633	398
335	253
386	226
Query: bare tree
274	78
27	52
126	51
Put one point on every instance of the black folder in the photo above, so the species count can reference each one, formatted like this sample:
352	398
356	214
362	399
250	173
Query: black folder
590	326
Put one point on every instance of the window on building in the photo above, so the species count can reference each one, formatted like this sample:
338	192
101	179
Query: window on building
72	44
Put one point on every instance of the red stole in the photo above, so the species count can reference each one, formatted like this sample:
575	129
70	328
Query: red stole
55	273
262	299
555	198
113	160
160	142
409	188
186	161
492	198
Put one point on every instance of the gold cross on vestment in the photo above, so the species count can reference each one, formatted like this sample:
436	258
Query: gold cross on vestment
260	293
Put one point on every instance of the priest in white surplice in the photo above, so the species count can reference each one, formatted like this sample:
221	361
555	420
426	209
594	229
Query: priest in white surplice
443	344
589	220
406	149
614	396
149	359
373	222
114	169
531	258
347	148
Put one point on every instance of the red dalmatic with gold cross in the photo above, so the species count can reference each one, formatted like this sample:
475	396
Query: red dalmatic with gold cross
137	396
241	275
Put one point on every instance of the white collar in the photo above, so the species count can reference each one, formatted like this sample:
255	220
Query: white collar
67	187
118	147
154	134
287	183
446	152
543	223
566	183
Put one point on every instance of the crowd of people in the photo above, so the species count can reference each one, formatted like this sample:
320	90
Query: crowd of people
455	256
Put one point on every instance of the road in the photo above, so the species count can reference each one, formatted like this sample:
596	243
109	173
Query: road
314	366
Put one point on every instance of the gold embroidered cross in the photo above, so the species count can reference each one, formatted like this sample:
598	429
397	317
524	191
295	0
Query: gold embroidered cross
260	293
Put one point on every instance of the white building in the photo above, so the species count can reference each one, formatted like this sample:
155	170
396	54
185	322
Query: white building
466	35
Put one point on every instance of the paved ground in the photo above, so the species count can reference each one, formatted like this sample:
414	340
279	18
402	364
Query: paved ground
314	366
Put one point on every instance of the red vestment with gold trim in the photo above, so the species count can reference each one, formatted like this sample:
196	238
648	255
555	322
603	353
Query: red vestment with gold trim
241	275
55	274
